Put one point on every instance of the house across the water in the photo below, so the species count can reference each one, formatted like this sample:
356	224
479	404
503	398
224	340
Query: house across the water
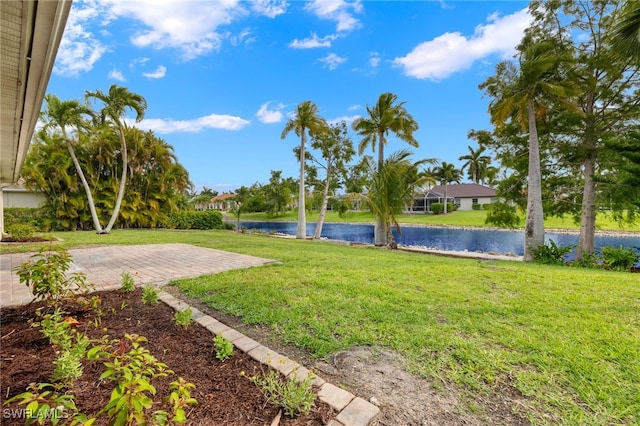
463	195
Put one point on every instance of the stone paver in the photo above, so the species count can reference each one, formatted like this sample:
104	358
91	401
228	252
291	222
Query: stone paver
358	413
158	264
334	396
148	264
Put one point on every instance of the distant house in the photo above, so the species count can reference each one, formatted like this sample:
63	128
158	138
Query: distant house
222	202
18	195
463	195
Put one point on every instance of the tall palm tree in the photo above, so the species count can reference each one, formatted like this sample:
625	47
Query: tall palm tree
116	102
475	162
447	173
392	188
306	118
519	94
63	115
627	30
384	117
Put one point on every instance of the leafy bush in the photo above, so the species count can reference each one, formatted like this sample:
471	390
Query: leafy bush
21	215
223	347
437	208
589	260
551	254
183	317
21	231
293	396
476	206
502	215
47	276
128	284
207	219
487	206
150	295
618	259
451	207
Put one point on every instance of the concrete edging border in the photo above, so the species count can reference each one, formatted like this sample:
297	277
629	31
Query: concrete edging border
352	410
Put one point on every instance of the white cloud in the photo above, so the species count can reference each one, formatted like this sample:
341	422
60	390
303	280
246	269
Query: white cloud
211	121
138	61
354	107
269	8
374	59
452	52
190	27
346	118
339	11
116	74
160	72
79	49
313	42
268	116
332	61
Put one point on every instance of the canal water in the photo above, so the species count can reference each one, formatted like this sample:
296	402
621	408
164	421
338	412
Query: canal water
454	239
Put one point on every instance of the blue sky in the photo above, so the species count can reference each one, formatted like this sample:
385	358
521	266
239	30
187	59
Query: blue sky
222	77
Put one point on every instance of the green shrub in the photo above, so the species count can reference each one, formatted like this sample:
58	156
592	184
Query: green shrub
150	295
437	208
207	219
618	259
20	215
551	254
292	395
47	278
223	347
21	231
128	284
502	215
589	260
476	206
452	207
184	317
487	206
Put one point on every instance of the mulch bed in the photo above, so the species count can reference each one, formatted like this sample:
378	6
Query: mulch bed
225	396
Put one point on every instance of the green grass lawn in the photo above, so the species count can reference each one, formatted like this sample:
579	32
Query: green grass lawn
566	338
459	218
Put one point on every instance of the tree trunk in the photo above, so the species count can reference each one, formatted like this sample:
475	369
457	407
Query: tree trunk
323	207
586	241
123	181
92	207
534	223
379	231
446	199
301	229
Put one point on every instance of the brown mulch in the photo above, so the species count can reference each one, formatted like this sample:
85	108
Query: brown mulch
225	396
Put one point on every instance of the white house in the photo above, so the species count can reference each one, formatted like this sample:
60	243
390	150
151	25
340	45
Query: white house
463	195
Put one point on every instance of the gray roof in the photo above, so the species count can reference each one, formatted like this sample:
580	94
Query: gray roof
465	190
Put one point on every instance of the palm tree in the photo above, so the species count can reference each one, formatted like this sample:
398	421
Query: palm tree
475	162
61	115
519	94
116	101
627	31
384	117
392	188
305	119
447	173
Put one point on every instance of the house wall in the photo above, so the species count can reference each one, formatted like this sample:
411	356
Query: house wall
467	203
21	198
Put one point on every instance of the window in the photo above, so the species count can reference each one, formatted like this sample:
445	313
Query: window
474	201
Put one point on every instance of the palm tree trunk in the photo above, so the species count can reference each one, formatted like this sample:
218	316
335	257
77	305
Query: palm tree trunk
92	207
534	223
301	229
323	207
586	241
123	181
446	198
380	237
